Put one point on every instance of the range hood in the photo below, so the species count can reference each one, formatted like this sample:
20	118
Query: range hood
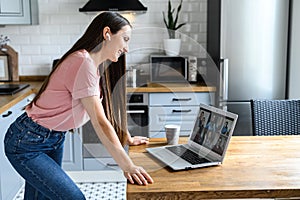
113	5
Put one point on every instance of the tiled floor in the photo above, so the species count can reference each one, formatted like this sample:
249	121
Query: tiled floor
96	191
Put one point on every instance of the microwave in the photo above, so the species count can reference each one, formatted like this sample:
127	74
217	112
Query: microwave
173	69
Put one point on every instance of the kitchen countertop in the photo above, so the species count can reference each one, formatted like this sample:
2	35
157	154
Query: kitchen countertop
7	101
172	87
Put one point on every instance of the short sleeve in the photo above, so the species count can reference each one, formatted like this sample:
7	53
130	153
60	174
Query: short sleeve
85	79
86	82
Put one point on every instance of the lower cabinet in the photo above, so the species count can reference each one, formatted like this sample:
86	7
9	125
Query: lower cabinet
72	158
178	108
95	155
10	180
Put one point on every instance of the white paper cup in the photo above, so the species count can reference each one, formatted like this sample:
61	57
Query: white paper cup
172	133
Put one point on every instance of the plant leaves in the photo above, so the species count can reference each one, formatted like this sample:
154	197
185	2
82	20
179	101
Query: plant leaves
180	25
171	24
177	14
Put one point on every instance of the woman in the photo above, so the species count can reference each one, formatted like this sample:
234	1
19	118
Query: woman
70	97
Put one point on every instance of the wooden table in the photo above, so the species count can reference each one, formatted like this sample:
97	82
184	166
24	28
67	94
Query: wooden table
254	167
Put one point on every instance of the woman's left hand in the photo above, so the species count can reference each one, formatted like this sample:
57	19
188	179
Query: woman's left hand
138	140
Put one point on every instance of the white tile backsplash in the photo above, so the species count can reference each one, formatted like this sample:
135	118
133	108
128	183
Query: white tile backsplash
61	24
49	29
31	50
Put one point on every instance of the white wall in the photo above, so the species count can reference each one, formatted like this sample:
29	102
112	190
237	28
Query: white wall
61	24
294	91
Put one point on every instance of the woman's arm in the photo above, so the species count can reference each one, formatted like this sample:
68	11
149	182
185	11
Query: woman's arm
109	138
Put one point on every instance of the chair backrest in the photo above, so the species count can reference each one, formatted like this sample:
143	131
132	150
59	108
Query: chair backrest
275	117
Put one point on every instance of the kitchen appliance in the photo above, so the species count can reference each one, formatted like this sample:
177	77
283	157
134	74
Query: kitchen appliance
173	69
115	5
294	54
253	42
137	114
10	89
192	69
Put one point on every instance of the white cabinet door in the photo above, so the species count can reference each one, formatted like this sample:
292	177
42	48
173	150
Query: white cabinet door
11	7
72	158
11	181
95	155
18	12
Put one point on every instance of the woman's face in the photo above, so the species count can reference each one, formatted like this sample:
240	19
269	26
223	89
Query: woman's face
118	43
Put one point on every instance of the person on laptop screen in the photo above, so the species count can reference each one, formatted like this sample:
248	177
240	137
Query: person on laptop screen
207	144
213	132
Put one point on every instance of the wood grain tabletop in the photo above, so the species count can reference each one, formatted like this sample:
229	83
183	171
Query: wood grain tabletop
254	167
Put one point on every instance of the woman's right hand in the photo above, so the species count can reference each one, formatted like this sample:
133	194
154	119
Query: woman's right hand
137	174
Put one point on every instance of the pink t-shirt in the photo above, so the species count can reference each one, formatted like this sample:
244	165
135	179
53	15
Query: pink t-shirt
59	107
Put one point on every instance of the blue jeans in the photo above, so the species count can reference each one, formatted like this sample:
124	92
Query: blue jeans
36	154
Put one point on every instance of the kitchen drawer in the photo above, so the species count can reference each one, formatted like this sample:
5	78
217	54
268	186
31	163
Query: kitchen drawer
162	134
100	164
183	116
180	99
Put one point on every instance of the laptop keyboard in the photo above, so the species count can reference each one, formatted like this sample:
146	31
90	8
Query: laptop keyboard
187	155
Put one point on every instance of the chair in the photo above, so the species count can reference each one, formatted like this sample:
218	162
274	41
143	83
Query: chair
275	117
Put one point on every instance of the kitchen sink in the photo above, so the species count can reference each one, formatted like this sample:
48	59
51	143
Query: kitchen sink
10	89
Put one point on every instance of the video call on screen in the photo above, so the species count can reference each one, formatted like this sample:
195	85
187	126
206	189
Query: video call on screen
212	130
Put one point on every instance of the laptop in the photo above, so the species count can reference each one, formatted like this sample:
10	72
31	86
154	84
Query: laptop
206	145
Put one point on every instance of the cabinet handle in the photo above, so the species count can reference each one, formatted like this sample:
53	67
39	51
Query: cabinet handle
135	111
181	111
182	99
112	164
7	114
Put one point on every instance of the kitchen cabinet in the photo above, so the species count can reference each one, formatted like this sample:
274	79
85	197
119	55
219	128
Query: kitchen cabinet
175	108
18	12
72	158
11	181
95	155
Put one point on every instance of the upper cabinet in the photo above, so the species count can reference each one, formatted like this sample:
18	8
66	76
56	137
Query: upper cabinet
13	12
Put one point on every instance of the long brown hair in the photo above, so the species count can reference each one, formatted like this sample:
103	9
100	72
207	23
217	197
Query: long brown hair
91	41
113	86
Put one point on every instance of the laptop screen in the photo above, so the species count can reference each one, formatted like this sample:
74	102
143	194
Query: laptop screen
212	130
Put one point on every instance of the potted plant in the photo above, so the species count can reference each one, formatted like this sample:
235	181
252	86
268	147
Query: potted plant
172	45
3	41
